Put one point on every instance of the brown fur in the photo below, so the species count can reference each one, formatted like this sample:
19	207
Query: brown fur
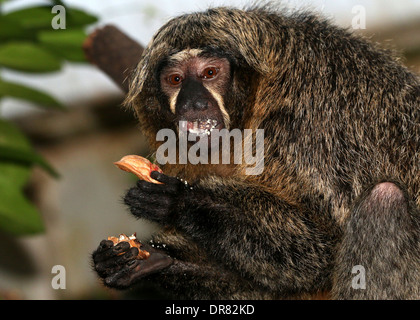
339	115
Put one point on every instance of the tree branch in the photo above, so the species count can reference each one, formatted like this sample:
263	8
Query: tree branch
114	53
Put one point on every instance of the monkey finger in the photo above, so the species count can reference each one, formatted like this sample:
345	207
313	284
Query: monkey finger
140	199
103	246
137	269
110	252
120	260
138	196
149	187
167	180
112	266
157	188
150	212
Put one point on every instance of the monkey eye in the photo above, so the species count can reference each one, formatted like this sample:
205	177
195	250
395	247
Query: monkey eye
210	72
175	79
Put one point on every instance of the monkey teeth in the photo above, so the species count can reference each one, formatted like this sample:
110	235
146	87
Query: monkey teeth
201	127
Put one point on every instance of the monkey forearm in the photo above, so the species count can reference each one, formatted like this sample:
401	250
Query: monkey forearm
277	240
242	226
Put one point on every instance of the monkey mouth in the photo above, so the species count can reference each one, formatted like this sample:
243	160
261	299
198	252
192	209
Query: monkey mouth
201	127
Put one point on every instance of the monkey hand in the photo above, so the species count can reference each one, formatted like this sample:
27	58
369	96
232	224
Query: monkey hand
156	202
119	267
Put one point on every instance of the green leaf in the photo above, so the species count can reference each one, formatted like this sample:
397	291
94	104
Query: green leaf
33	17
22	92
15	147
25	56
12	30
79	18
74	37
64	43
17	214
73	54
25	157
12	137
41	17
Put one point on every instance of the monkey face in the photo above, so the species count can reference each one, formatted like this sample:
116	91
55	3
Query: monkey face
195	84
202	71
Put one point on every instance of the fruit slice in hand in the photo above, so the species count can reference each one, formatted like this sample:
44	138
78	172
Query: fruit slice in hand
140	166
132	240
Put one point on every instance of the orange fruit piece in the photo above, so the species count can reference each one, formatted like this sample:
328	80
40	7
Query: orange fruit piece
140	166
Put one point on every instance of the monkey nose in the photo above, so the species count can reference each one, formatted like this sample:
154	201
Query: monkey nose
193	106
201	104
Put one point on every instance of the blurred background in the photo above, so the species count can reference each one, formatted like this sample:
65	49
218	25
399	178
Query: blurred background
62	127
